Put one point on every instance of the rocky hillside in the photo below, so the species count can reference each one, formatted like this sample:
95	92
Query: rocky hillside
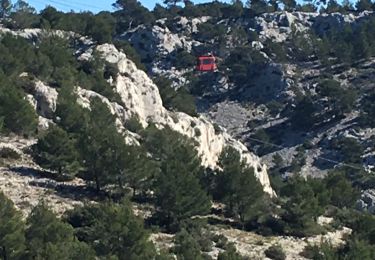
107	130
286	65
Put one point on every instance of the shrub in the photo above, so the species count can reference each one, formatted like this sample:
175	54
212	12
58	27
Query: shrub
197	132
133	124
131	53
275	252
184	60
9	153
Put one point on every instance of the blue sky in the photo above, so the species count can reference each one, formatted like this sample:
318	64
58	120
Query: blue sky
92	5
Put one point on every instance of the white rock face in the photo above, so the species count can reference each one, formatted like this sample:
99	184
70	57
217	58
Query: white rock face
46	98
141	97
278	25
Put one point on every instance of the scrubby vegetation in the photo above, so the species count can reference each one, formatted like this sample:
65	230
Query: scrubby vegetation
165	169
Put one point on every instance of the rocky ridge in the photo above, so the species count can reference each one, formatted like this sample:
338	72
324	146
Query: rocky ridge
140	96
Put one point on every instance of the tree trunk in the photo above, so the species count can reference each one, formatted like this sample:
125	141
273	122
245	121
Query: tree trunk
4	255
97	182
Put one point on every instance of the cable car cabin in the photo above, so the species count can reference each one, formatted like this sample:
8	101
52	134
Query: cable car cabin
206	63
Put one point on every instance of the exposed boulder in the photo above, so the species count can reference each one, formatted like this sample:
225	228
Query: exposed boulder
46	98
367	201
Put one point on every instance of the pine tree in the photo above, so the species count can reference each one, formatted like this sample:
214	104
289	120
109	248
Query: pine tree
257	6
69	114
364	5
12	237
333	7
99	145
136	169
5	7
186	247
178	192
113	231
56	151
230	254
17	113
289	5
238	186
49	238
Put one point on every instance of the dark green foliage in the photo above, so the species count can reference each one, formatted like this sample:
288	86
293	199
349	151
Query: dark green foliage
94	74
112	229
275	173
9	153
180	100
69	114
101	27
5	7
302	45
130	53
264	147
179	167
244	63
184	60
23	16
306	200
50	238
135	168
350	149
368	111
208	32
237	186
333	7
230	254
303	117
100	145
18	116
289	5
340	100
187	248
275	252
133	124
12	238
258	7
299	160
364	5
342	192
131	13
56	151
235	10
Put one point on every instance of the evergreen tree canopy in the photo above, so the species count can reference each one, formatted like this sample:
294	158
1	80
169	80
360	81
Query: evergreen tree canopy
50	238
178	192
18	116
12	237
100	145
56	151
112	230
237	185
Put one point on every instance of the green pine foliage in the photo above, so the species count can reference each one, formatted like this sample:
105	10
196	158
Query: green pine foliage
49	238
237	186
16	113
100	145
180	167
230	254
12	236
112	230
180	100
57	151
186	246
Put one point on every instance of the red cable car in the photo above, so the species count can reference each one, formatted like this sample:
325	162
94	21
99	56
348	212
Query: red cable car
206	63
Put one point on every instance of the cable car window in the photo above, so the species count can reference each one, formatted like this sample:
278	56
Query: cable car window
208	61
